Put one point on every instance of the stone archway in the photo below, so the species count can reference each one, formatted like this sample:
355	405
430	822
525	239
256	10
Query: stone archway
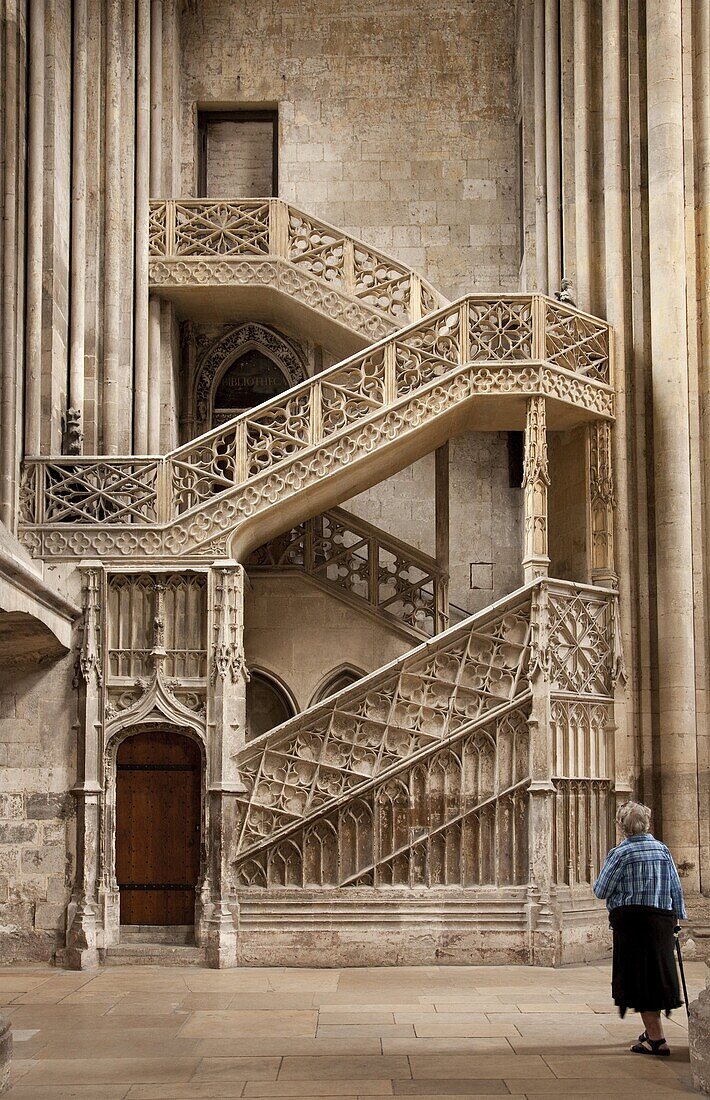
269	702
220	356
336	680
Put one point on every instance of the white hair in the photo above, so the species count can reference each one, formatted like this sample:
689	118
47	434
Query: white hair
633	818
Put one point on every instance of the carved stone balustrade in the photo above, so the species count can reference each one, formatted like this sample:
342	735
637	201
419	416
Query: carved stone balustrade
364	566
470	783
266	243
473	364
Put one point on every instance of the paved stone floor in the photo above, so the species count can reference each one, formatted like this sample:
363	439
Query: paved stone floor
154	1033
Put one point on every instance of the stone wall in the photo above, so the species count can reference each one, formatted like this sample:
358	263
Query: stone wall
301	634
567	505
396	123
239	159
37	770
485	516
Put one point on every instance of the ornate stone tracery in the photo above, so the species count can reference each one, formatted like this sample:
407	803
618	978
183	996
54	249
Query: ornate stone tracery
364	565
183	503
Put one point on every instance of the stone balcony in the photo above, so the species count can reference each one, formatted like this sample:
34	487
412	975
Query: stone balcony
211	256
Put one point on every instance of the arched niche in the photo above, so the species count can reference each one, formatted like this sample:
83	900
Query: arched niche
247	365
337	680
269	703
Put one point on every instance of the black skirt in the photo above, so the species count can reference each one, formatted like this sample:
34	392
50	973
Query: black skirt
644	975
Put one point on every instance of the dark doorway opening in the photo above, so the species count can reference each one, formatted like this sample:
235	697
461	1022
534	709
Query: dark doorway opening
238	154
158	828
253	378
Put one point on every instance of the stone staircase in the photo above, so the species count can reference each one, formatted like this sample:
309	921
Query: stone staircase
354	746
470	782
472	364
248	251
364	567
466	786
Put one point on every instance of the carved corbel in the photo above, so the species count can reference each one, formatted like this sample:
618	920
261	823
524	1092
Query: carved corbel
618	662
73	434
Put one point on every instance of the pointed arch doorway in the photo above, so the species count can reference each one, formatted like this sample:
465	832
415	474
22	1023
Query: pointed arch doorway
158	831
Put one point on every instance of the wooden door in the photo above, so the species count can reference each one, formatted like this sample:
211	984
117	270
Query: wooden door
158	828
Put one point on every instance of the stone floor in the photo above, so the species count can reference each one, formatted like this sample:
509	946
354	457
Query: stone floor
153	1033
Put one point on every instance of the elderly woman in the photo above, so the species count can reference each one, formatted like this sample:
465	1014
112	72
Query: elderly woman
643	894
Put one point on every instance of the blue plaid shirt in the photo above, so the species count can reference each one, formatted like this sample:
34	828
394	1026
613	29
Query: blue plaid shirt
641	871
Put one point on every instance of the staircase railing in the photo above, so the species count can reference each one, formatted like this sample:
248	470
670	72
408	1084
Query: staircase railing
366	566
340	750
503	347
220	240
419	774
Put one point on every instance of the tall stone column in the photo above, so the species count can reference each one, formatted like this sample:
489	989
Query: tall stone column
582	157
35	228
82	912
11	253
699	1023
552	145
77	297
536	480
226	734
156	191
540	144
142	195
610	503
671	439
115	431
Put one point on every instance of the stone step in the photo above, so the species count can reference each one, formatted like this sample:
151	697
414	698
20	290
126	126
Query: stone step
153	954
158	933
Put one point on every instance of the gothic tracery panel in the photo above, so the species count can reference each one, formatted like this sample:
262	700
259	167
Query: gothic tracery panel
581	637
163	611
310	432
437	823
384	722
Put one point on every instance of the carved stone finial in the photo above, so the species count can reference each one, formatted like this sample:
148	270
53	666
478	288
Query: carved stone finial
566	293
159	619
73	434
89	654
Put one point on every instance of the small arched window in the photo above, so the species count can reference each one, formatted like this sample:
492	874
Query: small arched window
251	379
268	704
337	680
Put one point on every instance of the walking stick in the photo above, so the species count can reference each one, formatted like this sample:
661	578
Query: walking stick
682	973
